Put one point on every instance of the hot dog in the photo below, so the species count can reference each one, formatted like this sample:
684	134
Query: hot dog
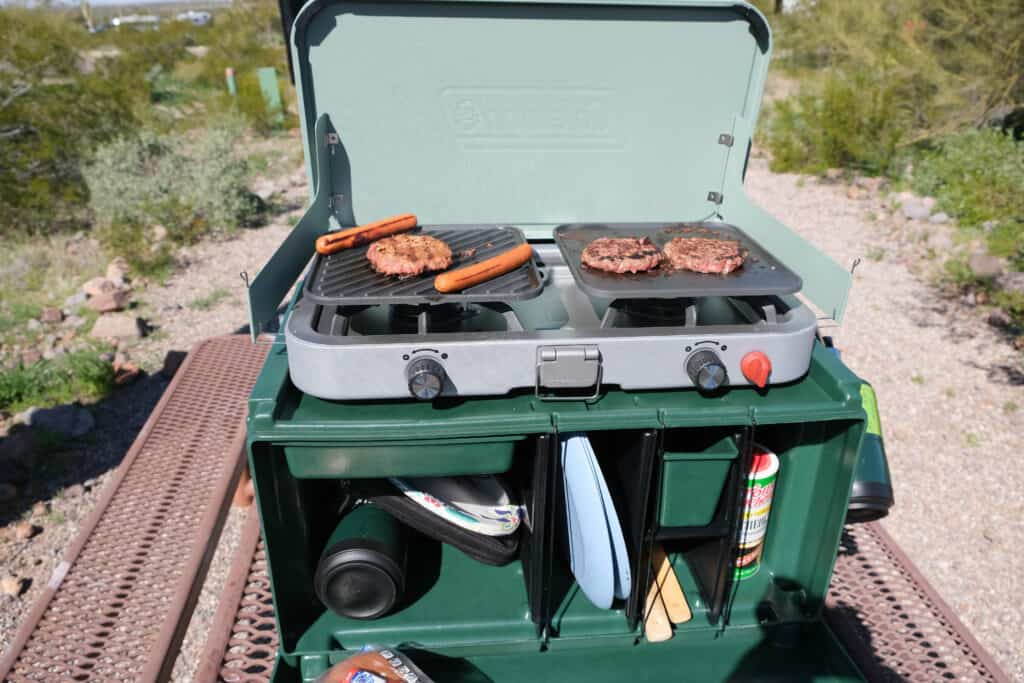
353	237
488	269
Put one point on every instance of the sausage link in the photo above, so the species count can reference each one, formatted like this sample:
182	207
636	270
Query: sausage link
488	269
353	237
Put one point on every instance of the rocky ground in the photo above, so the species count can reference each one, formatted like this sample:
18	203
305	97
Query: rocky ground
949	381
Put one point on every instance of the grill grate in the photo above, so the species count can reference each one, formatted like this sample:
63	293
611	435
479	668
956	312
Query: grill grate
762	274
346	278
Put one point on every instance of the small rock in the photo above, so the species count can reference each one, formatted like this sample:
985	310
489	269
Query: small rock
69	421
33	324
985	265
970	299
74	491
870	183
117	271
981	297
833	173
915	209
55	352
11	585
75	300
158	232
49	339
1018	343
30	357
99	285
999	318
39	509
74	321
120	358
51	315
1012	282
106	357
854	192
8	492
67	336
172	361
117	326
108	302
264	190
25	530
939	218
928	202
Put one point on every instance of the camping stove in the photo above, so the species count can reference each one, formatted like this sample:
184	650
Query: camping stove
562	343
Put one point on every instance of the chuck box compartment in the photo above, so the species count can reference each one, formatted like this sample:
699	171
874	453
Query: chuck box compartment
436	458
695	465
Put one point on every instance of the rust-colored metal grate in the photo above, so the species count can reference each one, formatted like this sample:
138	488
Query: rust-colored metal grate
117	606
892	622
242	643
889	619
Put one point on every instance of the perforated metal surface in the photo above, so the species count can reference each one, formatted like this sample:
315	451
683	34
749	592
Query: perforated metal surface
346	278
117	606
890	621
242	642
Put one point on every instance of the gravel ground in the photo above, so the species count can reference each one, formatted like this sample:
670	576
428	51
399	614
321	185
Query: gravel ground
946	383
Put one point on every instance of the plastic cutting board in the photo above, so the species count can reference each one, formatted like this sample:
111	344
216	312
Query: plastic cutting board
597	549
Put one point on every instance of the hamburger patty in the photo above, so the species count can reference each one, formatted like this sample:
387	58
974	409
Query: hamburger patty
704	255
622	254
408	255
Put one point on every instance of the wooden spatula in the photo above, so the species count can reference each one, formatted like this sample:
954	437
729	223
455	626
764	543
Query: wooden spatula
656	624
668	587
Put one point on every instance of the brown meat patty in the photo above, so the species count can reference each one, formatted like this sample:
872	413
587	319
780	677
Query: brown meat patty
409	255
622	254
704	255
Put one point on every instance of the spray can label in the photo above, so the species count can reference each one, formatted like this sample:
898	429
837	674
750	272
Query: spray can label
757	506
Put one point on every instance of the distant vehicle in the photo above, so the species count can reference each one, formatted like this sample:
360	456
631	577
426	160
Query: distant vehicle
196	17
140	21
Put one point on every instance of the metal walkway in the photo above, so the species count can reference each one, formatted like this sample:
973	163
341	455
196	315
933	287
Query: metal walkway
117	605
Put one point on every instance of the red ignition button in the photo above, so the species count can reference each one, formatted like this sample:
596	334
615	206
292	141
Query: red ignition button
756	367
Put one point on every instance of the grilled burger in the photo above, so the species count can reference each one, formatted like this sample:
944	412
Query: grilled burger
622	254
409	255
704	255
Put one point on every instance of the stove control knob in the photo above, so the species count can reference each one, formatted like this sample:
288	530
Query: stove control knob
706	370
426	378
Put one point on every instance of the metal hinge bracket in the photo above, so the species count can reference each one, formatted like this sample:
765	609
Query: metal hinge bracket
335	201
332	138
726	139
715	197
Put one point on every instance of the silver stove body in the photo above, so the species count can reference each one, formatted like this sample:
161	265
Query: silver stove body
562	344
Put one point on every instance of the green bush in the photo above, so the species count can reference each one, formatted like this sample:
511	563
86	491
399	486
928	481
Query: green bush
978	177
191	186
74	376
849	121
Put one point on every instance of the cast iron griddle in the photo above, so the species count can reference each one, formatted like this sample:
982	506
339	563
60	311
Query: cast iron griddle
761	273
346	278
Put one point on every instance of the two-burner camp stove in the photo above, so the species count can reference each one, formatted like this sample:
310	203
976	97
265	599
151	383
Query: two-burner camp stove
552	326
556	123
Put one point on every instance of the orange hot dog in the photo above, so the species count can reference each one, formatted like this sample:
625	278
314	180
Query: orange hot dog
353	237
488	269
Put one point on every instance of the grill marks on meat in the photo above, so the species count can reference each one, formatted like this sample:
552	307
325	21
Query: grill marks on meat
622	254
409	255
705	255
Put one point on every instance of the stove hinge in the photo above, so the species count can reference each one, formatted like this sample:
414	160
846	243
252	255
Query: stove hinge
715	197
726	139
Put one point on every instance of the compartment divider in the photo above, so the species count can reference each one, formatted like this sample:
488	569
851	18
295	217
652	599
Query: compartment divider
537	552
638	471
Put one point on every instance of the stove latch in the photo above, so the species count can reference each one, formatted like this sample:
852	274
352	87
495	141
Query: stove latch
561	369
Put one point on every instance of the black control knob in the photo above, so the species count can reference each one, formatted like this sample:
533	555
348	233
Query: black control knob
706	370
426	378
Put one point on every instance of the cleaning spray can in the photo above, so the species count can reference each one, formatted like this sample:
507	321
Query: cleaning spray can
758	504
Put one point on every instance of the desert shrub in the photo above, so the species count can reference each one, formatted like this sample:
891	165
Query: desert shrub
51	116
75	376
850	121
978	177
192	186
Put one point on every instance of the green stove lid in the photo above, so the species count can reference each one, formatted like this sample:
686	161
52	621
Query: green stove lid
530	113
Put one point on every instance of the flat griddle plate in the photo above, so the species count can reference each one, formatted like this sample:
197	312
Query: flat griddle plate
346	278
761	273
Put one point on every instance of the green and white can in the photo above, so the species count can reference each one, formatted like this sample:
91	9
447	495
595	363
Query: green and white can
757	505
